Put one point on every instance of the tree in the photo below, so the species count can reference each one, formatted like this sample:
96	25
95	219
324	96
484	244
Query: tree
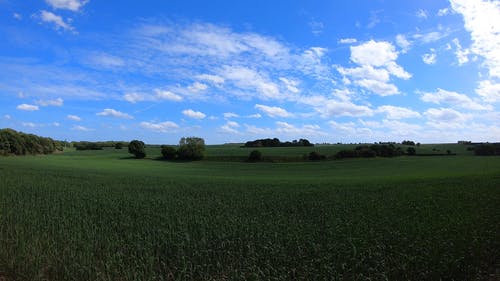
118	145
138	148
315	156
191	148
168	152
255	156
411	151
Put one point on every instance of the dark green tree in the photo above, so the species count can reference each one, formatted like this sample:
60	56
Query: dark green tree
255	156
168	152
138	148
411	151
191	148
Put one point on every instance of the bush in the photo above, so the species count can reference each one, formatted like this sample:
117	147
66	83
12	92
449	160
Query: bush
255	156
118	145
487	149
411	151
315	156
168	152
138	148
191	148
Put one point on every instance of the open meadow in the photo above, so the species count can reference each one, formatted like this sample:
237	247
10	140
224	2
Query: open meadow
102	215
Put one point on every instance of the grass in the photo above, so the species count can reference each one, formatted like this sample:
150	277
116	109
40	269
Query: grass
99	215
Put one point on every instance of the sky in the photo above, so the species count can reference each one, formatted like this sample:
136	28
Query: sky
233	71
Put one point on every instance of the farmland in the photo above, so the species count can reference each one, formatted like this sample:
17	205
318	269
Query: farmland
100	215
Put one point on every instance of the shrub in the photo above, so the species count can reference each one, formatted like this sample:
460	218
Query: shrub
191	148
138	148
411	151
315	156
168	152
255	156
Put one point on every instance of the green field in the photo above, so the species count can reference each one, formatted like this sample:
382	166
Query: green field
100	215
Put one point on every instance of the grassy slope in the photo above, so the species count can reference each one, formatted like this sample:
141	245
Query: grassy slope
101	216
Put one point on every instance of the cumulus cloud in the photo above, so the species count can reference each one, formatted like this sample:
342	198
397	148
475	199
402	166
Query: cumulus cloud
396	112
194	114
109	112
430	58
377	62
443	12
197	87
249	79
28	124
290	84
214	79
167	95
74	117
56	20
55	102
230	127
162	127
479	20
446	118
27	107
489	91
304	130
273	111
453	98
72	5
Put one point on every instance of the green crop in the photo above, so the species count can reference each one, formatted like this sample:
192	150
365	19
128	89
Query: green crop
100	215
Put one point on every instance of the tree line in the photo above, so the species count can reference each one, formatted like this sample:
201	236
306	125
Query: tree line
13	142
275	142
189	149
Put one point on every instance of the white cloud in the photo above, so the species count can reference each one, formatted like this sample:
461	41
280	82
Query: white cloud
114	113
430	37
74	117
256	115
58	21
230	127
81	128
291	85
7	116
305	130
55	102
230	115
27	107
462	54
489	91
430	58
197	87
194	114
453	98
72	5
215	79
17	16
423	14
481	20
334	108
373	53
28	124
378	87
56	124
273	111
348	41
377	60
396	112
446	118
134	97
403	43
249	79
167	95
162	127
443	12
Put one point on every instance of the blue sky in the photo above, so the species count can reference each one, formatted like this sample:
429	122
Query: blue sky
232	71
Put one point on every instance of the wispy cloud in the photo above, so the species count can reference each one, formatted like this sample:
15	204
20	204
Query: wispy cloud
72	5
56	20
27	107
